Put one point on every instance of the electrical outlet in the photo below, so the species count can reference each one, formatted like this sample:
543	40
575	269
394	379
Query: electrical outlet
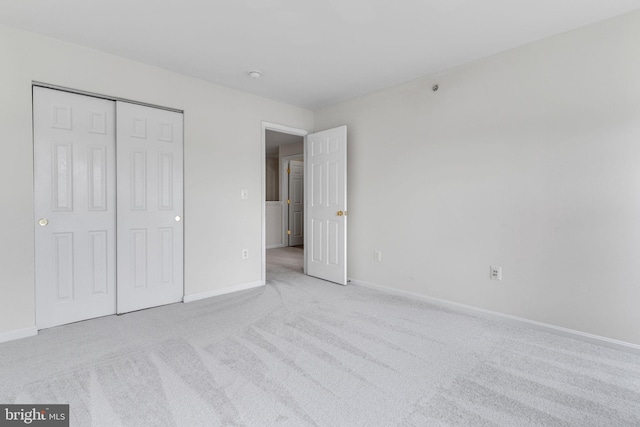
377	256
495	272
245	254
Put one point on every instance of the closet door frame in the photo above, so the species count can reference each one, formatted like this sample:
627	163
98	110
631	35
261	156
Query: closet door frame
38	84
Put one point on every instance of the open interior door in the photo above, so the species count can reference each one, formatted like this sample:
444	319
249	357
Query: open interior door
326	211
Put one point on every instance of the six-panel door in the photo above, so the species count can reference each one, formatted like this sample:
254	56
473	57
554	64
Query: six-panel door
102	249
326	211
74	184
150	233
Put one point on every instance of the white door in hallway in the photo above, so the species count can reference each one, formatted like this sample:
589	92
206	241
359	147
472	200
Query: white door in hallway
150	207
296	203
326	210
74	186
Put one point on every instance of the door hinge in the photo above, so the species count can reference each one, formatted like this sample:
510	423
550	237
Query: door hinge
288	170
288	232
288	201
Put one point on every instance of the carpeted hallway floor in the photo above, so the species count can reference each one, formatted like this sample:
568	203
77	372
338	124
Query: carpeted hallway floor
304	352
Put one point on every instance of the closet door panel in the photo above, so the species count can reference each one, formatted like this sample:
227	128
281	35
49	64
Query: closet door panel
150	226
75	207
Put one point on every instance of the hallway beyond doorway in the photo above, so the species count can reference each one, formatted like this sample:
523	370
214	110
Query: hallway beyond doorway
286	258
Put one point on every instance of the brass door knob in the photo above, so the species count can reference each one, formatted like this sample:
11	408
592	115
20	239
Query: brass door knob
340	213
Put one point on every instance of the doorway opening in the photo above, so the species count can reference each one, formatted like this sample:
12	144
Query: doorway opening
325	203
283	194
284	180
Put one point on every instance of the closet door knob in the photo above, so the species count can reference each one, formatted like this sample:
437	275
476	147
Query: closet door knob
43	222
178	219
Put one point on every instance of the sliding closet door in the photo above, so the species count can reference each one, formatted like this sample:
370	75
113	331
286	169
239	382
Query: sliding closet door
74	185
149	218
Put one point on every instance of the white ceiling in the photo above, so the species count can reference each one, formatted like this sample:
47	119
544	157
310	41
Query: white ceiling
312	53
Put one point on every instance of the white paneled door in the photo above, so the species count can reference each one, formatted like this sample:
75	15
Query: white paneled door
149	217
326	211
75	222
108	226
296	203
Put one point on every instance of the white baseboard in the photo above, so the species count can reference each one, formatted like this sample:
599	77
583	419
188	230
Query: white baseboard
279	245
223	291
17	334
558	330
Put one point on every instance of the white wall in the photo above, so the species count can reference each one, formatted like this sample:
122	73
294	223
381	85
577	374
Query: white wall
272	178
291	149
529	160
274	212
220	124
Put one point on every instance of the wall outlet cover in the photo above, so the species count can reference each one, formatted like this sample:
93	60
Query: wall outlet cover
495	272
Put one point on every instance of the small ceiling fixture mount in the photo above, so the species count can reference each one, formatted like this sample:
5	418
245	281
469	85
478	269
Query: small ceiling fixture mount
255	74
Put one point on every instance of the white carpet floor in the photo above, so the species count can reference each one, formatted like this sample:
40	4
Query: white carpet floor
304	352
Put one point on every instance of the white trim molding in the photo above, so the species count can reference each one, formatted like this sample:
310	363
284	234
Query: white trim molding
223	291
276	246
276	235
18	333
557	330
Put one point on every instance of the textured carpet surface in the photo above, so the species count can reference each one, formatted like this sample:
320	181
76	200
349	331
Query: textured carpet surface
302	351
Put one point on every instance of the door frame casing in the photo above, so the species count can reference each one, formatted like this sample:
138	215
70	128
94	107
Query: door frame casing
263	155
102	96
